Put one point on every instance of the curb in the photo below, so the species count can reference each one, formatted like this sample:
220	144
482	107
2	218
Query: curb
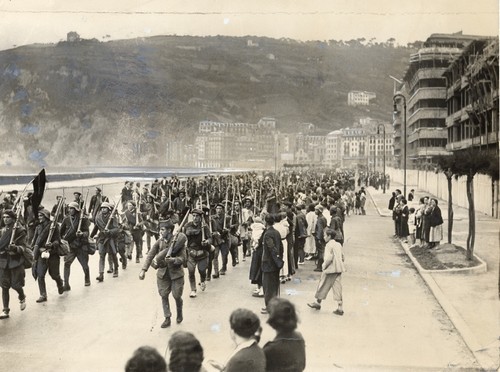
458	322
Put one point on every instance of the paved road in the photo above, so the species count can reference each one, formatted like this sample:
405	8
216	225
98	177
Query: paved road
391	321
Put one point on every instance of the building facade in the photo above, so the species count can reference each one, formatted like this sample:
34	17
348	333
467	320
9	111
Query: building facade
223	145
359	98
472	97
425	91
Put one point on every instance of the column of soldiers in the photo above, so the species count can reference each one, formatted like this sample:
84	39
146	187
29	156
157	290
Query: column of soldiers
193	222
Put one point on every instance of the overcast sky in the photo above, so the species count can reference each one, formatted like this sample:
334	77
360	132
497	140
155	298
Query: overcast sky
47	21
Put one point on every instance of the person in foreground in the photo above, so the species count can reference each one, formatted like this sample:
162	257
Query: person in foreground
184	353
287	352
146	359
245	332
333	267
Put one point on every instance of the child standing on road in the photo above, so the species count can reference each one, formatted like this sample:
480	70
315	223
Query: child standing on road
333	267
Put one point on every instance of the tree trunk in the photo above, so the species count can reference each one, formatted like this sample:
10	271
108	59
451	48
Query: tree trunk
450	210
472	218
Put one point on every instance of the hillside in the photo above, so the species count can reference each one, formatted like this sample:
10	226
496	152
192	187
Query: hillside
114	103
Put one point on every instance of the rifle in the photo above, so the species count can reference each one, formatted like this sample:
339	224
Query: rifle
54	221
225	207
111	216
209	222
81	215
16	225
167	253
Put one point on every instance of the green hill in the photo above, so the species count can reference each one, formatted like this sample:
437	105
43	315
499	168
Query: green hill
115	103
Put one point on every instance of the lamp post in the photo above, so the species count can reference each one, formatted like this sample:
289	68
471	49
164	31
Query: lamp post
383	148
394	98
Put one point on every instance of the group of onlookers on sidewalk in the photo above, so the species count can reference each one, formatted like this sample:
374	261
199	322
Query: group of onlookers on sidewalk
416	223
184	352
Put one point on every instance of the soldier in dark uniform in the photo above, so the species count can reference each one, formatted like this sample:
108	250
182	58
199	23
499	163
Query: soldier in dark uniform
77	234
106	240
168	254
12	272
199	245
79	200
217	221
95	205
133	221
45	253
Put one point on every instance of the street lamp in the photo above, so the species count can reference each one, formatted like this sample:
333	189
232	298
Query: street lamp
383	148
399	95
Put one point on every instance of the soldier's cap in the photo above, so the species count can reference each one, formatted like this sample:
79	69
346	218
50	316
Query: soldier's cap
98	188
14	192
219	205
197	211
74	205
319	207
106	205
131	202
10	213
182	192
205	208
77	193
44	212
166	224
247	198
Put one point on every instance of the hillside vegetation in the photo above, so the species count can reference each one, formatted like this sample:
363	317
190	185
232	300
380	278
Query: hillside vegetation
115	103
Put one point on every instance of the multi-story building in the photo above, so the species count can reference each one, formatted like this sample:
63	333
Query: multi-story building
310	148
236	144
425	91
333	149
357	98
472	97
353	148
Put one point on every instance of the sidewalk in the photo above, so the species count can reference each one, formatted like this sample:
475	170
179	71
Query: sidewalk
469	299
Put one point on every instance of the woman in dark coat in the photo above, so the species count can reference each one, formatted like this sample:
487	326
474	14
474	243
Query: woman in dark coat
403	230
287	352
436	224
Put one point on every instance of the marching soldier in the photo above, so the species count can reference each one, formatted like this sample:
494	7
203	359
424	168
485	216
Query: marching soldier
75	229
108	230
199	242
12	272
46	255
170	274
217	223
133	220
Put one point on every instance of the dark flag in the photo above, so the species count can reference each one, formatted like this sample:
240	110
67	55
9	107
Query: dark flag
38	190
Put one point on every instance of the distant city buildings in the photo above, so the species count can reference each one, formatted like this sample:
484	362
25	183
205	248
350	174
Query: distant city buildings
262	146
358	98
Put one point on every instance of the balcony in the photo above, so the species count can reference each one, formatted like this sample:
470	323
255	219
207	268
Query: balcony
427	73
464	82
427	93
427	113
427	133
426	152
491	138
459	145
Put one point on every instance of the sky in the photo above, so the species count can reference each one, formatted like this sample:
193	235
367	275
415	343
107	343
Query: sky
48	21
